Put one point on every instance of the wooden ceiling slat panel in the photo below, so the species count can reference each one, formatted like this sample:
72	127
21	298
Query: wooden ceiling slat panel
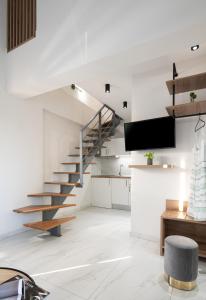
21	22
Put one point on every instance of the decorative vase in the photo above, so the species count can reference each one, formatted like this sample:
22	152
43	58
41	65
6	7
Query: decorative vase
149	161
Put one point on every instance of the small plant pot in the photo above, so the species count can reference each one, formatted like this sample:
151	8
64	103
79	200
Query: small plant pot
149	161
193	96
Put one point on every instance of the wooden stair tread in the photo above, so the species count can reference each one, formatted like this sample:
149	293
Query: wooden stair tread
46	225
63	183
71	173
94	140
78	155
106	134
90	141
105	128
78	163
105	131
91	147
106	123
38	208
48	194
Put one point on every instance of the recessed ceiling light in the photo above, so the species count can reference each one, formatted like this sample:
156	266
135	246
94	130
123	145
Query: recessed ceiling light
107	88
195	47
124	104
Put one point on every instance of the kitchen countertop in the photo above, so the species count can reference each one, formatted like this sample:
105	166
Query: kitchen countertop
111	176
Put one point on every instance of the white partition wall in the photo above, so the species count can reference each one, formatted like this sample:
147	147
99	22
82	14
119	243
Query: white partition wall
151	187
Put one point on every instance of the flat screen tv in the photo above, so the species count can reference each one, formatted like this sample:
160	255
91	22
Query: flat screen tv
151	134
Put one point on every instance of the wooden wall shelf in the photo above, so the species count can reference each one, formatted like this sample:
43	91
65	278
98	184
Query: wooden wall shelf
187	109
165	166
187	84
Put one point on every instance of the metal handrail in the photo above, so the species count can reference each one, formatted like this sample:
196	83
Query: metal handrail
100	141
91	129
87	125
97	120
103	131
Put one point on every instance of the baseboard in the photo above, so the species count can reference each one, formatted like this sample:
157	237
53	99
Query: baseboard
145	237
12	233
122	207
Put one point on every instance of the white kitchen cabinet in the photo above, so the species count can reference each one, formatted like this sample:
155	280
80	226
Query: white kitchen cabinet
111	192
121	192
102	192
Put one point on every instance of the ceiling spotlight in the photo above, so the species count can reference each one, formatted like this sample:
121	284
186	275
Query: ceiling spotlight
124	104
73	86
107	88
195	47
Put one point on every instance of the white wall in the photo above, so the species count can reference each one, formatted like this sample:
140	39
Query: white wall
28	150
111	166
22	157
23	126
150	188
113	156
61	136
76	33
65	105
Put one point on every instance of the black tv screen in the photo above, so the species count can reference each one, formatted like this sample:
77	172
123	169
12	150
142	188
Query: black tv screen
150	134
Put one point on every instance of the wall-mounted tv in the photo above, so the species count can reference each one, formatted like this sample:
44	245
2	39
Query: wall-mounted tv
151	134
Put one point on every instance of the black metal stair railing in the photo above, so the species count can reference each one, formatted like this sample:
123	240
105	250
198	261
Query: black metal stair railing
99	128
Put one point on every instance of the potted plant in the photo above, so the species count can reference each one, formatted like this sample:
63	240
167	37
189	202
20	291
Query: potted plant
193	96
150	157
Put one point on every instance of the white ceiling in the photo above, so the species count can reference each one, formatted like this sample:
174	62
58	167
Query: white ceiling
94	42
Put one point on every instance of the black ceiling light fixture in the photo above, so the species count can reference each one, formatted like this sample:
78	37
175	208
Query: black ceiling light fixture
107	88
124	104
195	47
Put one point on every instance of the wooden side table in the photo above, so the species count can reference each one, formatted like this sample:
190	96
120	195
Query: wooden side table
174	222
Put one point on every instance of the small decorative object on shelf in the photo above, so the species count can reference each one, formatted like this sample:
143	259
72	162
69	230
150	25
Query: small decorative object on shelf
193	96
150	157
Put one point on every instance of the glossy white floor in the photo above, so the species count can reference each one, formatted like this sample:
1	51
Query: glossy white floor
95	259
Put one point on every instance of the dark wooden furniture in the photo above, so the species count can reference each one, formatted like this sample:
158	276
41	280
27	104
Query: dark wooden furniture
174	222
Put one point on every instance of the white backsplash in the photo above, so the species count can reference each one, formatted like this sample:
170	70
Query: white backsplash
111	166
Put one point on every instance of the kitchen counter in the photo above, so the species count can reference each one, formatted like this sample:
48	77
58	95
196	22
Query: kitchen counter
111	176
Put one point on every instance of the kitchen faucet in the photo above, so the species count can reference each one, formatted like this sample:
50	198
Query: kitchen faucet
120	169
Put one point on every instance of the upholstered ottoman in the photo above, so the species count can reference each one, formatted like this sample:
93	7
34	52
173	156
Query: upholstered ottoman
181	262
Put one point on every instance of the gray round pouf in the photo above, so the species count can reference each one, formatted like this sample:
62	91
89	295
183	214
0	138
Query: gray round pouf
181	262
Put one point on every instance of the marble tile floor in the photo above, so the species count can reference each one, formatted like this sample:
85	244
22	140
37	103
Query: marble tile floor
95	259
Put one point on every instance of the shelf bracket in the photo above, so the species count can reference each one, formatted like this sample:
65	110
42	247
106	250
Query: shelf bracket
174	75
